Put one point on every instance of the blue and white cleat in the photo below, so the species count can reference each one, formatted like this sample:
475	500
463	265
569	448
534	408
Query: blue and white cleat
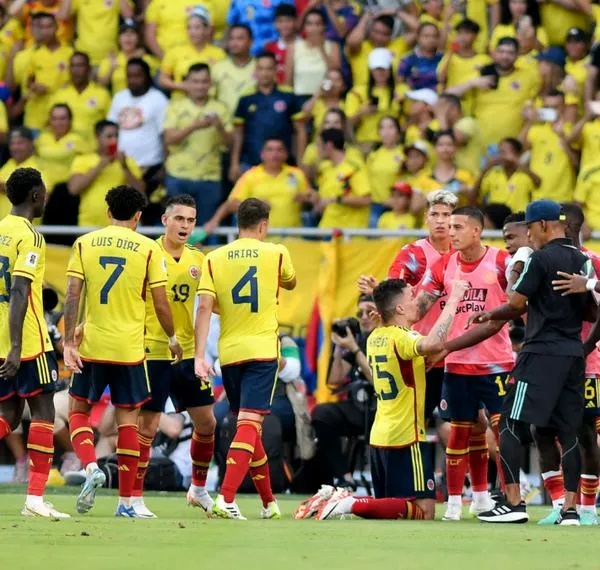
87	497
587	518
125	512
551	518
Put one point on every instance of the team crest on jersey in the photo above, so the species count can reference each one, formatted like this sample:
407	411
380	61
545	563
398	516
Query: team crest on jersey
194	272
54	376
515	86
489	277
280	106
511	187
108	3
61	65
92	102
69	146
252	108
443	405
292	181
430	484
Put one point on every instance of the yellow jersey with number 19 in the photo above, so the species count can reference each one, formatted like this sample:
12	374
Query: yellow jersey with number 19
399	380
244	278
23	254
116	264
183	275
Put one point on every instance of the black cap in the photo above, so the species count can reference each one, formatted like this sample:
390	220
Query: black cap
576	35
128	24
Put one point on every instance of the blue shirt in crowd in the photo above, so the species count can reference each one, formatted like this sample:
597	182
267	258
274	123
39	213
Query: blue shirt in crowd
419	71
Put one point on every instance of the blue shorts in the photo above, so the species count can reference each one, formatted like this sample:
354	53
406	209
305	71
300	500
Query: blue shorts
37	376
180	383
463	396
250	385
403	473
591	394
128	383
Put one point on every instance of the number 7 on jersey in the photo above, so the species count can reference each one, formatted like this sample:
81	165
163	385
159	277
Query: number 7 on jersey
119	263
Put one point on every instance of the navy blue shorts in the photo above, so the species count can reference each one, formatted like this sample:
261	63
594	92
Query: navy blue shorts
403	473
591	394
37	376
128	383
250	385
463	396
180	383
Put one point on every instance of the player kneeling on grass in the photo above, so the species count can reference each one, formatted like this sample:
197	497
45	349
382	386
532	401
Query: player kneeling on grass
401	469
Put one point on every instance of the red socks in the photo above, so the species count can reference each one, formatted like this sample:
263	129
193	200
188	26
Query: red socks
554	485
201	451
259	471
5	430
478	461
457	453
82	437
240	454
40	446
588	489
128	456
142	466
387	509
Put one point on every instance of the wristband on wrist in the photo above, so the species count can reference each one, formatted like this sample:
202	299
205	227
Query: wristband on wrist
173	340
590	284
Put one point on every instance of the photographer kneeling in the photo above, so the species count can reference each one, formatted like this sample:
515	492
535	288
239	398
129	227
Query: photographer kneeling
349	374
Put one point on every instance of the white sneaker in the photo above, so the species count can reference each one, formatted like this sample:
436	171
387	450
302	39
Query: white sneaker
311	506
45	510
141	510
453	513
200	499
225	510
478	507
336	508
271	511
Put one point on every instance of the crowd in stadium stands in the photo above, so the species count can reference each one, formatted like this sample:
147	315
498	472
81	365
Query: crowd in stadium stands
338	114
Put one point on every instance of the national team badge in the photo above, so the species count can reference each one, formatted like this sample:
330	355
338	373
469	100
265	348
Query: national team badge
280	106
62	66
252	108
430	484
515	86
54	376
443	405
70	146
194	272
92	103
292	181
108	3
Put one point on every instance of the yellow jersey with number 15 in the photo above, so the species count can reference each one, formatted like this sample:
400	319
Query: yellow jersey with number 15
399	381
183	275
244	278
116	264
23	254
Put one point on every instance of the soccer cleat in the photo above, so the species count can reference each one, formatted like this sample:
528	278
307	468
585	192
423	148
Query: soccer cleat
505	513
271	511
311	506
200	499
87	497
45	510
453	513
336	508
550	518
125	512
477	508
141	510
568	518
588	518
225	510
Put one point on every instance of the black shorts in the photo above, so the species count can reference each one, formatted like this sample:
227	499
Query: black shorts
128	383
403	473
463	396
37	376
547	391
180	383
433	391
591	394
250	385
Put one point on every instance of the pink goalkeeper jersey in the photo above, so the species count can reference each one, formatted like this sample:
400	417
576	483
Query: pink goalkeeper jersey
487	290
592	363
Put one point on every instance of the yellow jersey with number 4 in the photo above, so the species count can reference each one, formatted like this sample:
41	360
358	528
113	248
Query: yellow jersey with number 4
183	276
399	381
116	264
244	278
23	254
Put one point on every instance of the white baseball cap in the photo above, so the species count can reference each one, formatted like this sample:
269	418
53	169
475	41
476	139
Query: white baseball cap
428	96
380	58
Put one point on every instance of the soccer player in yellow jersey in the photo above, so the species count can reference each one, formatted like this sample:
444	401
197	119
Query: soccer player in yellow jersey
117	265
242	280
400	464
28	369
177	380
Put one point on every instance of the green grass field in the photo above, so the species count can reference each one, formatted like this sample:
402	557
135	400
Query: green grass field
184	538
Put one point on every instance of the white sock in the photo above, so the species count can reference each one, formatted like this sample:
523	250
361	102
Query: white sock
480	497
455	501
558	503
34	501
346	505
195	489
586	509
125	501
91	467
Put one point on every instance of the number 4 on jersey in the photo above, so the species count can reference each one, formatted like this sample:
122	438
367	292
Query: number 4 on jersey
249	278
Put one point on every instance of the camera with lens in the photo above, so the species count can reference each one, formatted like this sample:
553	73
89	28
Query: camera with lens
339	327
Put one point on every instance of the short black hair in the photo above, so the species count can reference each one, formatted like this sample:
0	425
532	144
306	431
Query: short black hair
387	21
516	144
471	212
274	138
23	132
124	202
364	298
245	27
314	12
385	295
83	55
424	25
497	213
446	133
469	26
63	106
286	11
451	98
20	183
42	15
143	64
104	124
197	68
574	217
554	93
508	41
334	136
181	200
267	55
514	218
252	212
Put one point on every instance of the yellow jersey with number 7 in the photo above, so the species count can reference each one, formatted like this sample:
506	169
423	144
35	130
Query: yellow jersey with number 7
244	278
116	264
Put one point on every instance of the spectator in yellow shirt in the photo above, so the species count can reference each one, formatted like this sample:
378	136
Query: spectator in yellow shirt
506	180
23	10
112	72
344	189
93	175
578	60
178	60
330	95
400	216
195	129
515	17
587	195
283	187
88	100
586	134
